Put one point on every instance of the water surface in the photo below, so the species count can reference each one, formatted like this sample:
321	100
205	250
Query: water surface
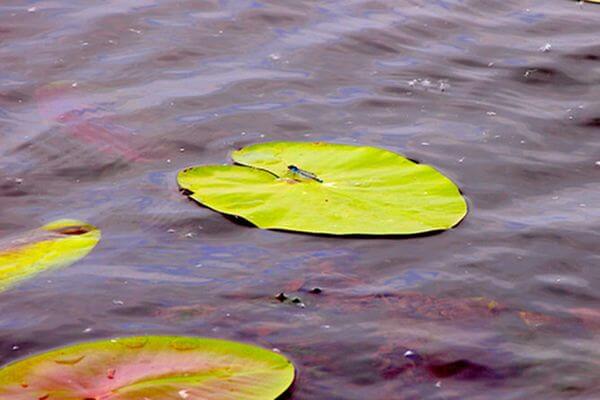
101	103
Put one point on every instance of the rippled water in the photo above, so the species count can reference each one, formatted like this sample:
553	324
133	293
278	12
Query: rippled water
101	103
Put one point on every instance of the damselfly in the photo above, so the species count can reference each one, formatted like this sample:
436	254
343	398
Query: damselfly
309	175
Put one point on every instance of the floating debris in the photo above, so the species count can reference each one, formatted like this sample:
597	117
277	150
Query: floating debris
442	84
281	297
284	298
183	394
413	356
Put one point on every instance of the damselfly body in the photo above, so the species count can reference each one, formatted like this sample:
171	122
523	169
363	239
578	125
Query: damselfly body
305	174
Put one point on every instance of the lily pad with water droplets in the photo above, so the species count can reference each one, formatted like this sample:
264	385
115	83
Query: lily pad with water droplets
328	188
149	367
57	244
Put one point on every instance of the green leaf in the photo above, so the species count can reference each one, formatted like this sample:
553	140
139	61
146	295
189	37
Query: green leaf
149	367
340	190
58	244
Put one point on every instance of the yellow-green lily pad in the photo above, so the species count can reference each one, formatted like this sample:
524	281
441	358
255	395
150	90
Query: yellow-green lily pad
57	244
149	368
328	188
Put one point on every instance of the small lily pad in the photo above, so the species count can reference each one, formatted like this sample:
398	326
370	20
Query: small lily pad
149	367
328	188
57	244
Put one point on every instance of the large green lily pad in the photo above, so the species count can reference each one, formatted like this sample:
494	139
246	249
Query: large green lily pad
149	368
340	190
57	244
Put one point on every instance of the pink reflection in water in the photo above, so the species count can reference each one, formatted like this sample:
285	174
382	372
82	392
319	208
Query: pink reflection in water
92	124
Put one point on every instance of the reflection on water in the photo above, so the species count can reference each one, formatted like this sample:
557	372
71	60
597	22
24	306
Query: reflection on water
102	104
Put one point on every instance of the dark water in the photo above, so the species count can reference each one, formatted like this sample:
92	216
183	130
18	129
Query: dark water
102	102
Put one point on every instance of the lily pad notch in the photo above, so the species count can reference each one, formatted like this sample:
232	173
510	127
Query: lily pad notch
327	188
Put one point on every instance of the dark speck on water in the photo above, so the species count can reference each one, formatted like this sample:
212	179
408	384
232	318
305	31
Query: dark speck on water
97	99
282	297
